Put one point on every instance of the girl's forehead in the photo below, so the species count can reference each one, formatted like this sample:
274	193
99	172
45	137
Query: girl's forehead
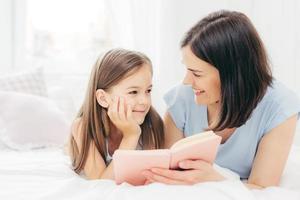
142	78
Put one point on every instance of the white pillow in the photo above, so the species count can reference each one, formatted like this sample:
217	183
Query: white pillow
29	121
63	99
2	145
30	81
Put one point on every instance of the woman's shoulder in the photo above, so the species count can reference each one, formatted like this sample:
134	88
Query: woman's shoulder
278	104
180	94
184	111
279	94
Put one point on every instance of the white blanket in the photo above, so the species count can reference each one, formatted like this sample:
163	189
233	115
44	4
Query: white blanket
45	174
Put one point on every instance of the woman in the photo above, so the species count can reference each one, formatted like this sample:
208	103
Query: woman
229	88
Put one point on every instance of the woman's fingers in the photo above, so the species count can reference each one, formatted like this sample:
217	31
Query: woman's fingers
193	164
152	177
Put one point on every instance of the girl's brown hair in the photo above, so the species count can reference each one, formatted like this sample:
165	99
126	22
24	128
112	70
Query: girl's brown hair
108	71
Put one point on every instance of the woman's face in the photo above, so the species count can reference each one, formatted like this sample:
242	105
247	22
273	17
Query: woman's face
203	78
136	91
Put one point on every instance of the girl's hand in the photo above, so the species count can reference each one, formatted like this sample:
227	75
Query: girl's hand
194	172
121	116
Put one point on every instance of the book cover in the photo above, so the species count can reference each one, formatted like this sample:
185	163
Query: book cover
129	164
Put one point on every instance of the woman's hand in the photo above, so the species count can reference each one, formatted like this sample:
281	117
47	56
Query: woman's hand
194	172
120	114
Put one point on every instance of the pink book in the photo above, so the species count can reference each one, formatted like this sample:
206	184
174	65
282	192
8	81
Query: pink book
129	164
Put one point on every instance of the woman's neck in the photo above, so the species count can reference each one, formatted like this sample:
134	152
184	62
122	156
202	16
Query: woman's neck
213	111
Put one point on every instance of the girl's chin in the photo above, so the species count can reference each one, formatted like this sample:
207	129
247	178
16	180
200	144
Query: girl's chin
139	120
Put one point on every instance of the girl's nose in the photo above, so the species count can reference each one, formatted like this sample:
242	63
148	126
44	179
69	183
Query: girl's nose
143	99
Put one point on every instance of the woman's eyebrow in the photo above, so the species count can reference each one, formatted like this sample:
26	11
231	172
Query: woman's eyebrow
194	70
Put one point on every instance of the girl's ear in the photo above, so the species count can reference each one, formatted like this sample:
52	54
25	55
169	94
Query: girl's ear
102	98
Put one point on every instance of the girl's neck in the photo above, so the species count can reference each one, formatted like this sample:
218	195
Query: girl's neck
114	138
114	133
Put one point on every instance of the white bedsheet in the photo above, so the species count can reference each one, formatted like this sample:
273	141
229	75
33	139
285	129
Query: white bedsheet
45	174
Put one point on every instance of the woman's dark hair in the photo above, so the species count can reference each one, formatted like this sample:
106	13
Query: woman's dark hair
228	41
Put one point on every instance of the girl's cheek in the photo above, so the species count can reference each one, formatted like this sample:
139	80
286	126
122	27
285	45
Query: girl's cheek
129	101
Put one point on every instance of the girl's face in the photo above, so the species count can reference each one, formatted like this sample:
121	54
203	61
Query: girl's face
136	90
203	78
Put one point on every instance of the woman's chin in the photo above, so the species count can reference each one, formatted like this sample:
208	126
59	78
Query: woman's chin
199	101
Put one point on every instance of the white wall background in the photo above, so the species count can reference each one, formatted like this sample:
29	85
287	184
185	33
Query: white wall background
156	27
5	35
276	21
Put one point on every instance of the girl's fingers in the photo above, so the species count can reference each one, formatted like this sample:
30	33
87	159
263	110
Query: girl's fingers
129	112
121	113
114	108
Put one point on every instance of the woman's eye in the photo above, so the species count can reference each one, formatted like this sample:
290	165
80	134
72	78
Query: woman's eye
133	92
197	75
149	90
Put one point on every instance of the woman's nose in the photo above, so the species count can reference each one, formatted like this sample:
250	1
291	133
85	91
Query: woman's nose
187	79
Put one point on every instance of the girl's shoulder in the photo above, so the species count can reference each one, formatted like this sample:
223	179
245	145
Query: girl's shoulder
76	128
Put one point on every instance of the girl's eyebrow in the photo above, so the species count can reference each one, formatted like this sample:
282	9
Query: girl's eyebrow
137	87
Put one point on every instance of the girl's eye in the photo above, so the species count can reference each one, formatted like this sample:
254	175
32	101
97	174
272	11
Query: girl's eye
133	92
149	90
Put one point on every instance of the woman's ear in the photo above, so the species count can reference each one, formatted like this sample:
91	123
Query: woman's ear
102	98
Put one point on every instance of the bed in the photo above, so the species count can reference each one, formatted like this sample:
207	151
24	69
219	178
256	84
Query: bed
33	163
46	174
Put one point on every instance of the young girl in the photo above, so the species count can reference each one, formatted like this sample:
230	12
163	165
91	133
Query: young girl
116	114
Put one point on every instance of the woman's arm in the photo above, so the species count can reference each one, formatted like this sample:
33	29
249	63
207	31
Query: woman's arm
272	154
266	171
172	133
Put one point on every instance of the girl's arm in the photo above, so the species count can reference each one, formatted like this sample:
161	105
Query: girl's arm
126	143
172	133
272	154
95	167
